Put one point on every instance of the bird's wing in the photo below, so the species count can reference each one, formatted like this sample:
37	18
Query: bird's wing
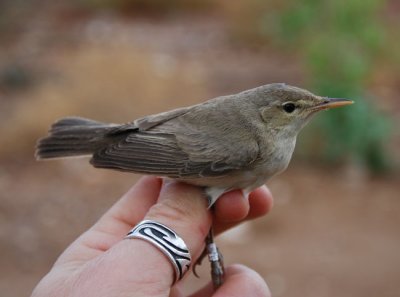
187	143
150	121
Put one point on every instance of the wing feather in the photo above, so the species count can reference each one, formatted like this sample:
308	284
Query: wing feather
180	144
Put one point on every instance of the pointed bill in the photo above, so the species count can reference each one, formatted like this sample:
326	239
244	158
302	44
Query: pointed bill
333	103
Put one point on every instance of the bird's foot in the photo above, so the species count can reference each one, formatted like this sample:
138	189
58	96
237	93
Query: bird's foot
217	265
216	261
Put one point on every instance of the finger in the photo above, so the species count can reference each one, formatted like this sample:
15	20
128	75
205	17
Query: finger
231	207
176	291
115	223
183	209
240	281
259	204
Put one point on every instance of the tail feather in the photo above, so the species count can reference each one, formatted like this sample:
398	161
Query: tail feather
72	136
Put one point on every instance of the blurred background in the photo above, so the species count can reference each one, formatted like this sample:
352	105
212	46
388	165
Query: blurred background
334	229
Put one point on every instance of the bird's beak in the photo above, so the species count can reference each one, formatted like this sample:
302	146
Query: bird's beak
328	103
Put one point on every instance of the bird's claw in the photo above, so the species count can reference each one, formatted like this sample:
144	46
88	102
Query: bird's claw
199	261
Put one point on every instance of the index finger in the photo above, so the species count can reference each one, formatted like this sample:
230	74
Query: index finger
116	222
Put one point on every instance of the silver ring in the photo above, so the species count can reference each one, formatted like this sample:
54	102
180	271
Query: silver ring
167	241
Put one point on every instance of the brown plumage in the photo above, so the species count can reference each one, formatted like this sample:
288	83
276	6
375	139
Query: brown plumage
230	142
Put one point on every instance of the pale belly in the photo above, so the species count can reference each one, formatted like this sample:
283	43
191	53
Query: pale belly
248	179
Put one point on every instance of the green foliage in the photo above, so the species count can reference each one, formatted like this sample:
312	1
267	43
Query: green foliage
358	132
340	42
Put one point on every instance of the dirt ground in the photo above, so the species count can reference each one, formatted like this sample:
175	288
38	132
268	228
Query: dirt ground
331	232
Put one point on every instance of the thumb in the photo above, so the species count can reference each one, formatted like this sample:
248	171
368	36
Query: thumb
137	265
183	208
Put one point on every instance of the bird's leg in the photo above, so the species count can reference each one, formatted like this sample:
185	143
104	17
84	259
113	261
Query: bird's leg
211	250
216	260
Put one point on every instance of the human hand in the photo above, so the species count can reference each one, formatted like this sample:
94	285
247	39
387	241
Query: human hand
99	263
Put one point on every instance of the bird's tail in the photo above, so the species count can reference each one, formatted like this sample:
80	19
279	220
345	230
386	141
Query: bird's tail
72	136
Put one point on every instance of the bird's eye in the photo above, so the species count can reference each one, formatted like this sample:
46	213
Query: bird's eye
289	107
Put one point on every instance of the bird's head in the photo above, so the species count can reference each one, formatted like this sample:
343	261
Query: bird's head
288	109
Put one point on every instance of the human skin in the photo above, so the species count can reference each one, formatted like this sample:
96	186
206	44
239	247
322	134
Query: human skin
100	263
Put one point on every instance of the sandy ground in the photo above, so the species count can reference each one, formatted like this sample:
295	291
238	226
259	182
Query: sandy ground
331	232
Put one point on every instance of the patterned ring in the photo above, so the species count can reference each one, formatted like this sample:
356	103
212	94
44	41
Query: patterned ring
166	241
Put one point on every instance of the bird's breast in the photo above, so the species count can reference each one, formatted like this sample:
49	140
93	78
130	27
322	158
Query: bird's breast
272	160
274	157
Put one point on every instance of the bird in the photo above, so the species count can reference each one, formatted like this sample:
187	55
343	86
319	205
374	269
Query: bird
229	142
